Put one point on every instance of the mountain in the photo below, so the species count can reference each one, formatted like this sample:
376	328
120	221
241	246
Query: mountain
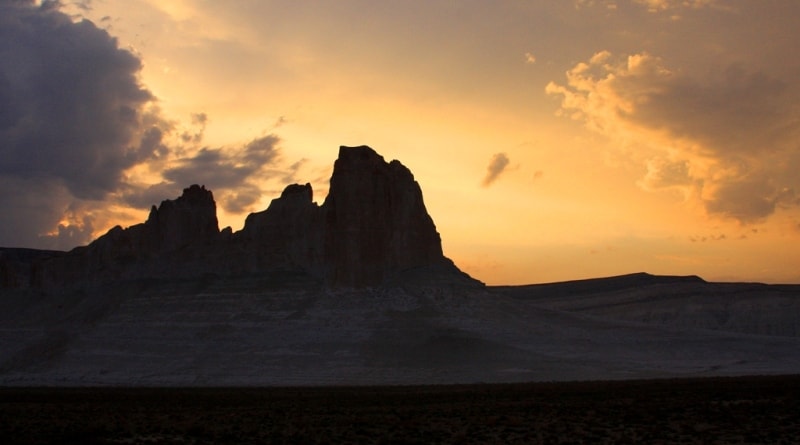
356	291
372	227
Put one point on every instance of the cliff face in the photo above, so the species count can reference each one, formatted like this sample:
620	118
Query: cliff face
372	226
375	221
189	220
286	235
173	242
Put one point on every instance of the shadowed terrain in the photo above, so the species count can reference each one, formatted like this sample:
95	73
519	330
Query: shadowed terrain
285	331
356	291
743	410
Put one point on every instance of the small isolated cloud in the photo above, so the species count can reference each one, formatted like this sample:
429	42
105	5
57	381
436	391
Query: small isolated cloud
496	167
530	59
728	141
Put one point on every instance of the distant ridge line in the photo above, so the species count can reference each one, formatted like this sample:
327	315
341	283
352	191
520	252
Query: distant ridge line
596	285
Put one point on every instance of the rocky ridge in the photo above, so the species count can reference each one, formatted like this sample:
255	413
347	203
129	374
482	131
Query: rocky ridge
372	227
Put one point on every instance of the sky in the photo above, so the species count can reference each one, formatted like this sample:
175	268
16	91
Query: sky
553	140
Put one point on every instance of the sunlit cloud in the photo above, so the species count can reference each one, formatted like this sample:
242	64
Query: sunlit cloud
530	59
727	141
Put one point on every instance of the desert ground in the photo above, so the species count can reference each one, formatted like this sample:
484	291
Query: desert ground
717	410
263	333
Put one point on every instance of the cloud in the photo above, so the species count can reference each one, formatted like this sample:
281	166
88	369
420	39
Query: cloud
73	106
496	167
664	174
74	118
530	59
750	199
729	141
665	5
231	173
652	6
81	138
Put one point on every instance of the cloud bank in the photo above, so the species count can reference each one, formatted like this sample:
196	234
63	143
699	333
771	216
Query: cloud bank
78	132
729	141
74	118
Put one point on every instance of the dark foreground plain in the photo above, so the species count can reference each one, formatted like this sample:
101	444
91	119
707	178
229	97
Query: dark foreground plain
740	410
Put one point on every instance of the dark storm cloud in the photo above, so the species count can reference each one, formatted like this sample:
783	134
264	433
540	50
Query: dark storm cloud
496	167
745	122
72	103
751	199
30	207
230	172
145	196
736	113
72	118
219	168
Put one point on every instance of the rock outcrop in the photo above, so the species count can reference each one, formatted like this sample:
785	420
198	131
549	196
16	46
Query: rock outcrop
287	235
372	228
189	220
375	220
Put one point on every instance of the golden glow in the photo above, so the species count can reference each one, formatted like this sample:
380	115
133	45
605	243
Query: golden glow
598	183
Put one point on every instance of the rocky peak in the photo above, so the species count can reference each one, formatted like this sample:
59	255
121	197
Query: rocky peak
190	219
302	193
286	234
372	229
376	223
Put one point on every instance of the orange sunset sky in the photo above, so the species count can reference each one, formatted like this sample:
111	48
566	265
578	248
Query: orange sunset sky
553	140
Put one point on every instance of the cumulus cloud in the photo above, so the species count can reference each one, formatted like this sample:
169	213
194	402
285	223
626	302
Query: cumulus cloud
74	118
496	167
73	106
80	136
730	141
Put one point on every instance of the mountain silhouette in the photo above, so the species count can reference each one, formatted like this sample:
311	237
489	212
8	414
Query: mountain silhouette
372	228
356	291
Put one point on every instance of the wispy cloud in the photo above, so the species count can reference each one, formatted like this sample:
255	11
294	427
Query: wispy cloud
664	5
652	6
